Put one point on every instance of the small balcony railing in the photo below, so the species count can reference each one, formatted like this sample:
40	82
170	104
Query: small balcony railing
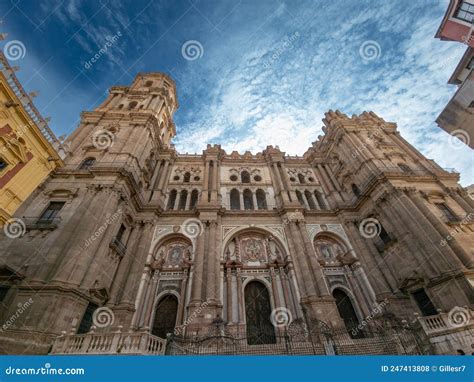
118	246
34	223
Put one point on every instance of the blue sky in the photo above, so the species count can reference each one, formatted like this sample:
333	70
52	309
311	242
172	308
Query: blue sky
265	70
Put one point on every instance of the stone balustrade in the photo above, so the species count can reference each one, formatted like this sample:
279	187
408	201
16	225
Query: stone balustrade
110	343
445	322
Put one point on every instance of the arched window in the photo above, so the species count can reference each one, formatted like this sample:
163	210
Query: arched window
248	200
148	83
187	177
171	200
234	199
165	316
261	200
355	190
347	312
310	200
87	163
320	200
405	168
194	199
132	105
301	179
257	314
300	198
183	197
245	176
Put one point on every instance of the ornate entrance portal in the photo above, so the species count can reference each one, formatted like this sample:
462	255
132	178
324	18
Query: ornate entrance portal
165	316
257	313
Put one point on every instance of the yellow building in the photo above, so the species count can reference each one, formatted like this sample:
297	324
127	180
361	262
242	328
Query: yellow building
29	151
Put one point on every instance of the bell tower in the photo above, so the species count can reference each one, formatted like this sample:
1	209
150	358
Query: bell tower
90	222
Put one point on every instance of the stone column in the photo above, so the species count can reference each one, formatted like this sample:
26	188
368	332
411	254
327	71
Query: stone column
240	296
384	282
69	272
198	270
401	220
254	199
229	295
297	261
363	283
460	200
125	263
214	182
281	187
205	186
305	271
315	266
276	293
150	299
211	263
97	255
182	298
416	201
133	278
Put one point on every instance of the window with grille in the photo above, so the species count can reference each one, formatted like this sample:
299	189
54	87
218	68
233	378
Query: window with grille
465	11
120	233
51	212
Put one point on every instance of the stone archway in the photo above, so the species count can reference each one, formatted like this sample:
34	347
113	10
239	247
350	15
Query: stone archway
165	316
346	311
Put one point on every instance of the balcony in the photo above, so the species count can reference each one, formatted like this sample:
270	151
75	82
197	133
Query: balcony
118	246
442	323
110	343
33	223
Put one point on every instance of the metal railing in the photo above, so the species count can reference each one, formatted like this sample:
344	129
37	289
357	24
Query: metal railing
118	246
35	223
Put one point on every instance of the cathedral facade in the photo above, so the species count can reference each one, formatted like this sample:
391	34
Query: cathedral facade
133	238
